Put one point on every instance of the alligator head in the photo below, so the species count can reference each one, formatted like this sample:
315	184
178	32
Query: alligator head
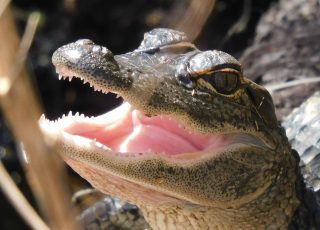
195	144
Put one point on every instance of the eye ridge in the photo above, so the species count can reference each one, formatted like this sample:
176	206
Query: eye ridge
223	81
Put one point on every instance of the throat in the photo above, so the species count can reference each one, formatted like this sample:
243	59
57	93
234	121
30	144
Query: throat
199	217
274	208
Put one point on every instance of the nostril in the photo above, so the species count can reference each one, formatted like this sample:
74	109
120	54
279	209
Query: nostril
84	42
96	49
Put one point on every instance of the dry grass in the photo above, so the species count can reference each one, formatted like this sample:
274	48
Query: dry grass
44	169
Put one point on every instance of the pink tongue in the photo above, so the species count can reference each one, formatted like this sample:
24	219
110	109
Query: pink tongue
129	131
155	139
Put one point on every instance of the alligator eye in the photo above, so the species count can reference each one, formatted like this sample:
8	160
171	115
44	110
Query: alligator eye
224	82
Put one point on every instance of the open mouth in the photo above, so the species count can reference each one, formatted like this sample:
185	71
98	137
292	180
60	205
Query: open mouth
126	130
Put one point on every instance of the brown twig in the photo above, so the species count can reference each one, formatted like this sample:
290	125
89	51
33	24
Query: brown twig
304	80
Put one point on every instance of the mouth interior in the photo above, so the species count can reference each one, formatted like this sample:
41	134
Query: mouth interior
127	130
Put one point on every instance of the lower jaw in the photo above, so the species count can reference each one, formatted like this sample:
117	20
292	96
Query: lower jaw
124	189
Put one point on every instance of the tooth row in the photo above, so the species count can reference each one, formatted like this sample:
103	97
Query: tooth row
85	81
65	77
99	145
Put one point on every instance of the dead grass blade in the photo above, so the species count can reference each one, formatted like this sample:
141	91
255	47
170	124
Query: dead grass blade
19	201
193	19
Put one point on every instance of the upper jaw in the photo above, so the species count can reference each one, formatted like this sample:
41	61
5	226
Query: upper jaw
155	94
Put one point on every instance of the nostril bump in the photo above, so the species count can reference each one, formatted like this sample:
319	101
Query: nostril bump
84	42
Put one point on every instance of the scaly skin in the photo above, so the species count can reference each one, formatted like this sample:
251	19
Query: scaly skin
246	182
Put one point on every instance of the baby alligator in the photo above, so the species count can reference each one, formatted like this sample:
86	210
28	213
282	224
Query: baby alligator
195	145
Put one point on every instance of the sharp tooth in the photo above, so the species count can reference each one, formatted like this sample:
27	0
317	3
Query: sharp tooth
70	78
60	76
118	96
43	117
77	114
105	148
70	113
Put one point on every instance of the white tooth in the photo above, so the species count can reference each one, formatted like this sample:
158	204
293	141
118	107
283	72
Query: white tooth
70	113
70	78
60	77
42	117
100	145
118	96
105	148
77	114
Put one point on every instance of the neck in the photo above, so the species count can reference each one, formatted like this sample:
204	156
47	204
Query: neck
275	207
307	215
